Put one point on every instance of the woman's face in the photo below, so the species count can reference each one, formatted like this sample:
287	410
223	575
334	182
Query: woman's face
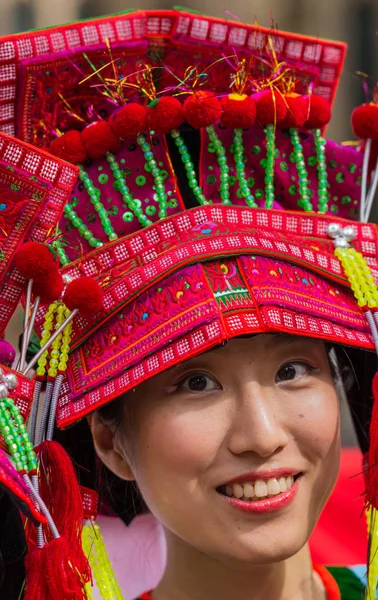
236	451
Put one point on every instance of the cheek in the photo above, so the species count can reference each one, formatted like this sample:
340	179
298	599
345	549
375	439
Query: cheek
322	423
317	432
174	448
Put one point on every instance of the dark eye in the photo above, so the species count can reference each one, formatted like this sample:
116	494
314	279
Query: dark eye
198	382
292	371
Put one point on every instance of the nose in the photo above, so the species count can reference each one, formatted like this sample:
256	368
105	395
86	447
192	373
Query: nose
259	424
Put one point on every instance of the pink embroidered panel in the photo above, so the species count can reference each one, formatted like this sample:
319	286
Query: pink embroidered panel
132	264
170	321
34	186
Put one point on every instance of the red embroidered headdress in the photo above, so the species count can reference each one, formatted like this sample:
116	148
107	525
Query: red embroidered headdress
208	204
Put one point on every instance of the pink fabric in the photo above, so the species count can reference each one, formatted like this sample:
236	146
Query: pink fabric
137	553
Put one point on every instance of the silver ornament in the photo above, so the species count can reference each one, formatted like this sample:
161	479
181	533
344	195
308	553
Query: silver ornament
3	391
334	230
10	381
340	242
349	233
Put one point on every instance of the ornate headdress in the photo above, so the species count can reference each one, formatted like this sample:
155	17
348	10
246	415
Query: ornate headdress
208	204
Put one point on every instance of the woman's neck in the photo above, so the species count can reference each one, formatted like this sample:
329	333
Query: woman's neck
194	575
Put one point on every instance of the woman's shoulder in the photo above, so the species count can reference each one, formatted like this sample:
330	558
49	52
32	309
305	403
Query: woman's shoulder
351	580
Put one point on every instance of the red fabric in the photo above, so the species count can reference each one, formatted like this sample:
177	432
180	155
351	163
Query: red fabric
340	538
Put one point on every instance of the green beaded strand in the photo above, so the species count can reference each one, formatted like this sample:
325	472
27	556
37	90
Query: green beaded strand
94	195
125	192
16	437
240	168
269	165
222	161
323	185
64	260
71	214
189	167
156	173
304	201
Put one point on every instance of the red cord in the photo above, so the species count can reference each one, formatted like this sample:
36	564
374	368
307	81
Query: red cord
331	587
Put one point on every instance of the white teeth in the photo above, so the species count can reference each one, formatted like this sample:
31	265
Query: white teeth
249	491
237	490
273	487
260	488
289	482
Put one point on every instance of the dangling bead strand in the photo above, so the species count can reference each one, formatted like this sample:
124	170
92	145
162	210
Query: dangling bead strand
125	192
94	195
95	550
222	161
46	334
63	258
304	201
269	167
155	171
189	167
323	194
240	168
81	227
15	435
372	523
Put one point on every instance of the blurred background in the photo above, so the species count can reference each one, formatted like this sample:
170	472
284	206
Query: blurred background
352	21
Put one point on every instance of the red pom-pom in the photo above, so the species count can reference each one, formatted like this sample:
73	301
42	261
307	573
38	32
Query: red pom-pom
69	147
202	109
84	294
319	112
129	121
99	138
239	111
50	288
270	107
365	121
165	114
296	113
35	261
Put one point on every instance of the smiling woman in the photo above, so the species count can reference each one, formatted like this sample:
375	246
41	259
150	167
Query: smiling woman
249	456
222	229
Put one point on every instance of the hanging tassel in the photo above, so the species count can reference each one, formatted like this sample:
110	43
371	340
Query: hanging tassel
51	574
36	583
371	474
64	578
61	492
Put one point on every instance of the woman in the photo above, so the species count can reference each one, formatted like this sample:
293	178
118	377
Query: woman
211	375
235	452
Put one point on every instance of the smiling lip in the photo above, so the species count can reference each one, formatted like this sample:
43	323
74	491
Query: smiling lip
267	505
262	475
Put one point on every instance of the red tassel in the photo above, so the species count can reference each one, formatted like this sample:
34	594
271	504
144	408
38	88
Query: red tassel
64	579
371	474
36	583
51	574
60	490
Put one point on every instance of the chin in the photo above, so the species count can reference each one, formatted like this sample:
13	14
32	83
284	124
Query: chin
272	541
247	552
